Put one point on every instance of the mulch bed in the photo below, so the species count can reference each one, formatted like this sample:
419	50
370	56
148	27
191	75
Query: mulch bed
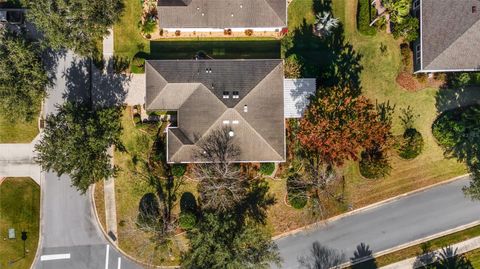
410	83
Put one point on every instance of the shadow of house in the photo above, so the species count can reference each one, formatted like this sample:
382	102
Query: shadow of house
459	90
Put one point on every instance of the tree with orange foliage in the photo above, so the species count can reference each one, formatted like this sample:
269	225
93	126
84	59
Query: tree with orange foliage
337	126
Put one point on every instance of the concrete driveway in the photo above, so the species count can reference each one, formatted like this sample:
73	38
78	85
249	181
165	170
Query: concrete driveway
16	160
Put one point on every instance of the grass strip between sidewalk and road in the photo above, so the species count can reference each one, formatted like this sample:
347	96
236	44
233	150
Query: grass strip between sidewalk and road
416	250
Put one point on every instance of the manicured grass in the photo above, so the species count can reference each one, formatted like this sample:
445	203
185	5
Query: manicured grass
433	245
127	38
18	132
300	12
245	49
474	257
377	80
19	209
378	83
130	188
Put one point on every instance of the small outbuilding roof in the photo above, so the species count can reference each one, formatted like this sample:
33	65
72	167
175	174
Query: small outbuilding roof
297	92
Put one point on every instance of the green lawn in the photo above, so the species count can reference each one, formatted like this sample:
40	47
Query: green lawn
433	245
474	257
378	83
17	132
19	209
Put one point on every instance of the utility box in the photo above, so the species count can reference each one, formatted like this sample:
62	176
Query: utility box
11	233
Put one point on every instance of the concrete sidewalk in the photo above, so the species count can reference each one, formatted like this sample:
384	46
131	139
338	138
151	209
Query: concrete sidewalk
416	262
17	160
110	204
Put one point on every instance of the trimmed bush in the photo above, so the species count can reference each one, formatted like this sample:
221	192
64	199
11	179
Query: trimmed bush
138	64
249	32
267	168
187	220
297	195
449	127
178	170
188	203
411	144
374	166
365	15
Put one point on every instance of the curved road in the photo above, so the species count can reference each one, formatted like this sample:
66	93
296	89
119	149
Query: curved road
407	219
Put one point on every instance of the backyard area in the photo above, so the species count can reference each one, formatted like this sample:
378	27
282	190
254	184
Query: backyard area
20	210
130	43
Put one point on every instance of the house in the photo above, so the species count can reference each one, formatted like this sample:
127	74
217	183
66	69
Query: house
218	15
449	36
245	96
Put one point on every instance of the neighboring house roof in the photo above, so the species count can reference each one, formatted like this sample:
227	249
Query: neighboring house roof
196	88
222	13
450	35
297	92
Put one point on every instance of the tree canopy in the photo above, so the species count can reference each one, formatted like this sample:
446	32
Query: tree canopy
76	140
23	78
336	126
223	241
74	24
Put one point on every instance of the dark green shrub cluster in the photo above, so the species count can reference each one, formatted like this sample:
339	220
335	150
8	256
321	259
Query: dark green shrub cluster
449	128
406	56
187	220
267	168
189	210
374	166
411	144
138	63
178	170
365	14
297	195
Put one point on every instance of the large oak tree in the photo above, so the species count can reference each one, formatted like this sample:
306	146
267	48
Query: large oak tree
75	142
74	24
23	78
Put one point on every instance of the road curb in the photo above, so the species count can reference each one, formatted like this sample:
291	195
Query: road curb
40	232
365	208
412	243
114	245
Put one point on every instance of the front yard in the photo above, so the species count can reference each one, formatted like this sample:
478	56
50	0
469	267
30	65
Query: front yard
17	132
20	210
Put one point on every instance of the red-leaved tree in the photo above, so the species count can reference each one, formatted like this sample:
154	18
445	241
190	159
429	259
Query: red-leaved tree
336	127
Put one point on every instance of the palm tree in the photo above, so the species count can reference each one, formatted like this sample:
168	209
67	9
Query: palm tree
398	10
449	259
325	23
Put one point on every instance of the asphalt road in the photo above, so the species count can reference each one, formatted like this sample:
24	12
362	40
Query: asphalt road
71	237
398	222
70	231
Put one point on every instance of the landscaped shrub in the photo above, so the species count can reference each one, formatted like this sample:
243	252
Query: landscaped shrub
293	66
148	210
249	32
406	56
365	15
187	220
267	168
178	170
138	63
177	33
148	26
188	203
297	195
411	144
374	166
449	128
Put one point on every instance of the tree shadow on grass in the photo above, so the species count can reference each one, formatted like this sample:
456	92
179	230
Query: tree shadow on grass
329	59
459	90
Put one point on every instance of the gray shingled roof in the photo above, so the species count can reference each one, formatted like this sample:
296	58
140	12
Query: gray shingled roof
450	34
189	87
222	13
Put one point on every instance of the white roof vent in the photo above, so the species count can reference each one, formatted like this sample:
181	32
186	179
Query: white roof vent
245	108
231	133
226	122
235	122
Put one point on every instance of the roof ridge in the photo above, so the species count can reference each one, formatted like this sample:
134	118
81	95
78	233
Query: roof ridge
256	86
161	90
255	131
453	42
279	16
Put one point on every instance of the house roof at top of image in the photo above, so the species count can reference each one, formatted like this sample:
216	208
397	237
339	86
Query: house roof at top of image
254	109
222	13
450	34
